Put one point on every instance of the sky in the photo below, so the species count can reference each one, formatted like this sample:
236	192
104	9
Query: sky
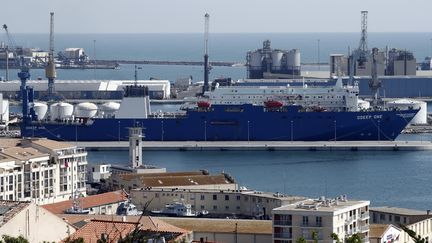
226	16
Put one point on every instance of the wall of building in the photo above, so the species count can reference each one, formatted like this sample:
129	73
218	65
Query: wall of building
215	202
232	237
37	225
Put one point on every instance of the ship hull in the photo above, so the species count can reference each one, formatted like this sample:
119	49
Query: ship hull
236	123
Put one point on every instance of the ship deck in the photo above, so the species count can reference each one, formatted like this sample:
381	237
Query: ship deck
263	146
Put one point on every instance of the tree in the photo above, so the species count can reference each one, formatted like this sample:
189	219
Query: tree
301	240
416	238
11	239
335	237
355	238
78	240
315	236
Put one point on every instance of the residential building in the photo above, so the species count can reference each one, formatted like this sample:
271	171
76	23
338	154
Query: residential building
224	230
384	233
223	202
417	220
32	222
321	217
41	170
181	180
105	203
96	173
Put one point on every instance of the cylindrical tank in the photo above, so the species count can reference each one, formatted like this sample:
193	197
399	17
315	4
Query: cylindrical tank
255	60
109	108
61	110
40	110
363	104
405	104
276	57
85	110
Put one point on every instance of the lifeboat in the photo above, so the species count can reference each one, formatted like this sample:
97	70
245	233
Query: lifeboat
273	104
203	104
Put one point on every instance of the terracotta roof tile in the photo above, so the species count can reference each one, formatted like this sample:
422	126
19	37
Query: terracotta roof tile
114	230
88	202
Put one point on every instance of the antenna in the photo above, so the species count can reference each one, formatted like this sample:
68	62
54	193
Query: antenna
206	62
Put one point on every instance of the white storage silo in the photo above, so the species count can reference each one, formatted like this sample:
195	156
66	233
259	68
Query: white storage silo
40	110
277	60
405	104
293	59
255	60
85	110
363	104
61	110
108	109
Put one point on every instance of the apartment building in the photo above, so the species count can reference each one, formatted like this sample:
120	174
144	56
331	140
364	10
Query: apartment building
417	220
241	202
41	170
319	218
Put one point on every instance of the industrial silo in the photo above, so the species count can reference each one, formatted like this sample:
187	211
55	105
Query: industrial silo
406	104
276	57
293	62
254	64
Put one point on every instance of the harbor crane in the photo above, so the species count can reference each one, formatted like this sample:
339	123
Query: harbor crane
206	61
374	82
50	71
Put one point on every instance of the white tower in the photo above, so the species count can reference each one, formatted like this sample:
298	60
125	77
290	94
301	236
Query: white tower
135	146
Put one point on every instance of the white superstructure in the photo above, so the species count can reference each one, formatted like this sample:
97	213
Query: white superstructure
405	104
337	97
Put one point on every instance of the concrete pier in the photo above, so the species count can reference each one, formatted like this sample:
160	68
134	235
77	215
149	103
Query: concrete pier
265	146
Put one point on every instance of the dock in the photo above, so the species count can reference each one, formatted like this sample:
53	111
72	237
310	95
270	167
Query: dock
262	146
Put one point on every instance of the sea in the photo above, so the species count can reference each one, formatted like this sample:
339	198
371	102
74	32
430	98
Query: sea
393	178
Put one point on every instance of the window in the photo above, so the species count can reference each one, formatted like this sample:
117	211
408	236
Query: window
226	207
318	221
305	220
226	197
202	197
202	207
390	217
382	216
238	198
214	207
214	197
397	218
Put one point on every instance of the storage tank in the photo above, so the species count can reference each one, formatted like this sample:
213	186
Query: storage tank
276	57
61	110
255	60
405	104
294	58
40	110
363	104
85	110
108	109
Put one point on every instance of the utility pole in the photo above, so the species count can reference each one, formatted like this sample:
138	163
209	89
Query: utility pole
319	66
94	59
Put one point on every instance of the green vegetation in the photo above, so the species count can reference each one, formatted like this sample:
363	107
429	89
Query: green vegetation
415	237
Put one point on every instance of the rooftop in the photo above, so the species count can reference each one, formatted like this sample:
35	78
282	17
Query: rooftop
148	223
9	142
222	225
22	153
177	179
8	209
399	211
322	205
51	144
377	230
88	202
92	231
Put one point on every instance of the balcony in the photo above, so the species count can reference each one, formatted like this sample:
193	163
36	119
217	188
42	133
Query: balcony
351	232
283	235
350	219
311	225
282	223
364	228
364	216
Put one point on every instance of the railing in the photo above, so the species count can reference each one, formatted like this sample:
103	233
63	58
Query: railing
282	222
364	228
350	219
364	216
284	235
351	231
312	225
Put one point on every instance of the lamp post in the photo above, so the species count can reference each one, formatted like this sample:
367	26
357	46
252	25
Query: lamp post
318	52
119	131
292	130
335	135
248	131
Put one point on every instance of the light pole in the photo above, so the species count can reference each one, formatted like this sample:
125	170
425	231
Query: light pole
318	52
119	131
205	130
94	59
335	130
248	134
292	131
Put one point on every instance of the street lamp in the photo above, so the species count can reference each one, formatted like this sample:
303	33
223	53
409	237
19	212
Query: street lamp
318	52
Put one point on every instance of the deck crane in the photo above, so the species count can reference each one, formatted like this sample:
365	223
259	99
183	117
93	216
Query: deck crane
206	61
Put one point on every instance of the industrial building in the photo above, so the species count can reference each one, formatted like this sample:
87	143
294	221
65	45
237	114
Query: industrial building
319	218
4	112
276	61
88	89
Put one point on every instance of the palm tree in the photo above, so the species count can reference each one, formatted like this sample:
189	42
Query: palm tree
416	238
301	240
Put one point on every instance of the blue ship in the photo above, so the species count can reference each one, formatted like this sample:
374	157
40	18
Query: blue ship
222	122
